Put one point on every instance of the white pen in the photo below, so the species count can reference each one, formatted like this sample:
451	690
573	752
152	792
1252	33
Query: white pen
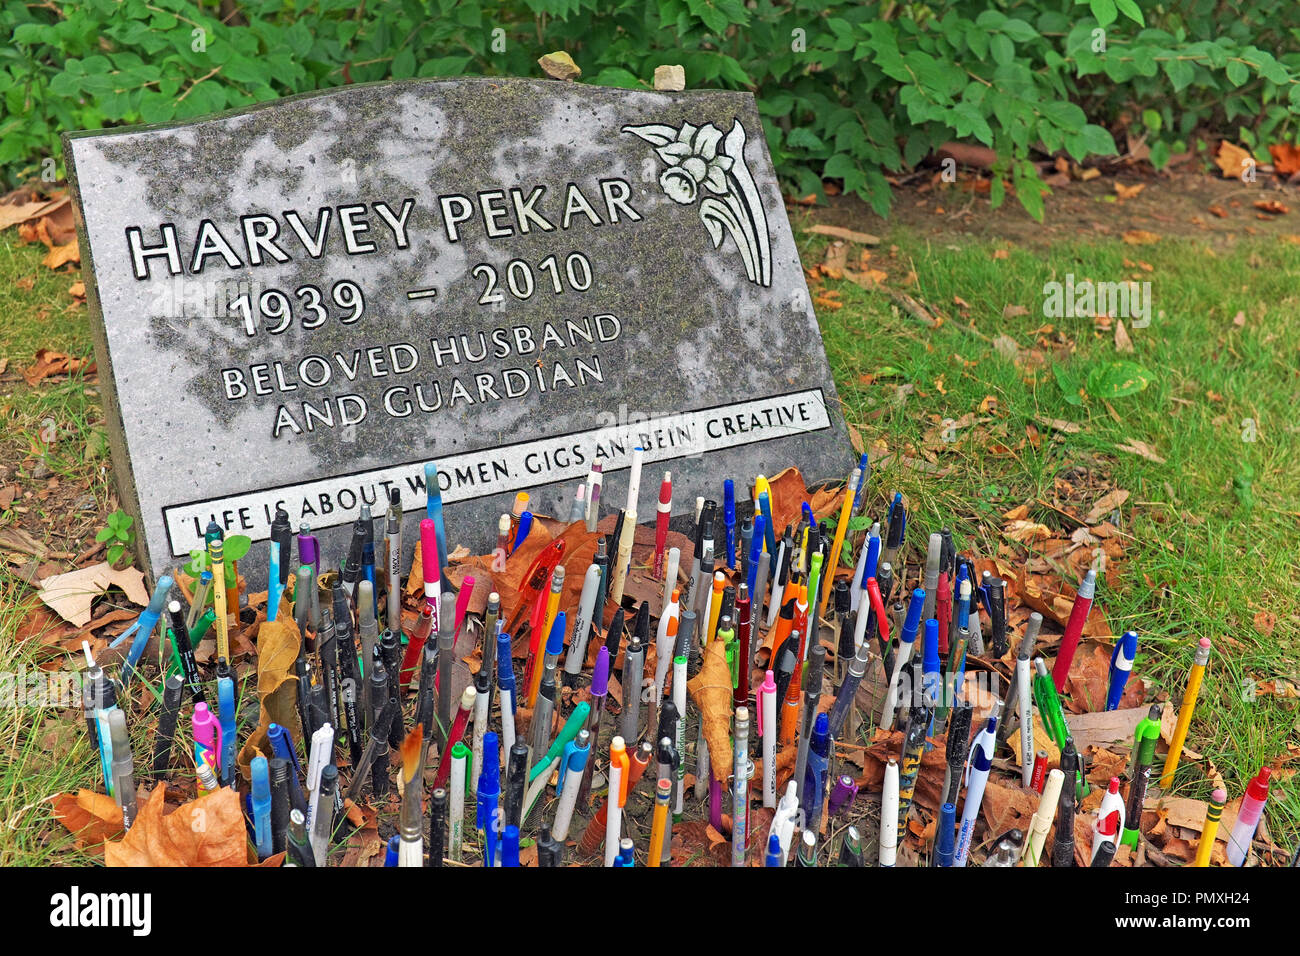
672	567
582	623
1043	817
889	815
767	729
634	479
855	586
571	770
593	495
318	755
618	767
482	702
507	720
906	642
456	802
778	584
1024	694
679	699
977	777
664	644
783	821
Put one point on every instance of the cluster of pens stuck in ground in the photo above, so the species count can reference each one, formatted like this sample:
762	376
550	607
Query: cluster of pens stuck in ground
749	594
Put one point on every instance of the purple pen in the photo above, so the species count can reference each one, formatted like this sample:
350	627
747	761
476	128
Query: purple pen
599	694
308	549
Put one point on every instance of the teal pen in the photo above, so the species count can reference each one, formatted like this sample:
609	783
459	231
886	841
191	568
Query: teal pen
143	627
433	509
99	700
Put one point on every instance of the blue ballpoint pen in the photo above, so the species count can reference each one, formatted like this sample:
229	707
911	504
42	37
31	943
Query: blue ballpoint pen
769	532
729	520
756	551
261	801
510	846
864	467
944	842
977	777
1121	666
525	526
870	566
392	852
488	794
773	857
226	715
143	627
819	750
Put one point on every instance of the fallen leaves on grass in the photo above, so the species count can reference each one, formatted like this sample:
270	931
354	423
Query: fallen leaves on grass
277	685
49	363
1122	341
71	594
1140	237
208	831
848	235
1140	448
92	818
1272	207
1286	158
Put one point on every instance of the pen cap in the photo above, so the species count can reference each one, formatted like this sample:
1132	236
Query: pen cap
118	735
931	660
1257	789
261	779
555	642
600	676
446	620
491	772
429	549
913	622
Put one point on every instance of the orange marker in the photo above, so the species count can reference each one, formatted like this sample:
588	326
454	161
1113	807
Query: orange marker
790	706
619	770
715	603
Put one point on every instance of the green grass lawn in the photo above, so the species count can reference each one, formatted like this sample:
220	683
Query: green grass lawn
1212	529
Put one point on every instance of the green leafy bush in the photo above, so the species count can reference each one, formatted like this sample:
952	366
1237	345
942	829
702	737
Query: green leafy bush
849	90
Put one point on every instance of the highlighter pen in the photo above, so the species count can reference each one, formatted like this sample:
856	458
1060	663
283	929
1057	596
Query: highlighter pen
460	772
1185	710
430	570
1073	630
123	767
663	514
143	628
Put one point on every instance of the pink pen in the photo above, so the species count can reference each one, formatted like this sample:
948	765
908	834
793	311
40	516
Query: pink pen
429	567
1252	806
207	734
767	730
462	601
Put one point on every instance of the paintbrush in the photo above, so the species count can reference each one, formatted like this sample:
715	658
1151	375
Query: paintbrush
411	850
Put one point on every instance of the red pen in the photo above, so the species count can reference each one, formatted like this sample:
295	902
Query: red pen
1074	629
878	605
457	732
741	696
415	646
664	513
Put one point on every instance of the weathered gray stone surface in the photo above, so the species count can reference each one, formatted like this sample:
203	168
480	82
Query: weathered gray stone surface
655	215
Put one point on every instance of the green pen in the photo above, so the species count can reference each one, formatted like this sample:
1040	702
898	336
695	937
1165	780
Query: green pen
1049	705
577	720
1145	736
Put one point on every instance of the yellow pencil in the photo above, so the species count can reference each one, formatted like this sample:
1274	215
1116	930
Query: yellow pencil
1185	711
841	529
1212	814
216	559
660	822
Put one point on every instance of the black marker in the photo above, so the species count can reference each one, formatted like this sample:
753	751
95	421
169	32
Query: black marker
185	650
173	690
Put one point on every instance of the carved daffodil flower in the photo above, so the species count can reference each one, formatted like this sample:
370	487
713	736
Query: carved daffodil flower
693	161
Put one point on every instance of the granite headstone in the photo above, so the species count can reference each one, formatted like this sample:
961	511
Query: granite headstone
304	302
